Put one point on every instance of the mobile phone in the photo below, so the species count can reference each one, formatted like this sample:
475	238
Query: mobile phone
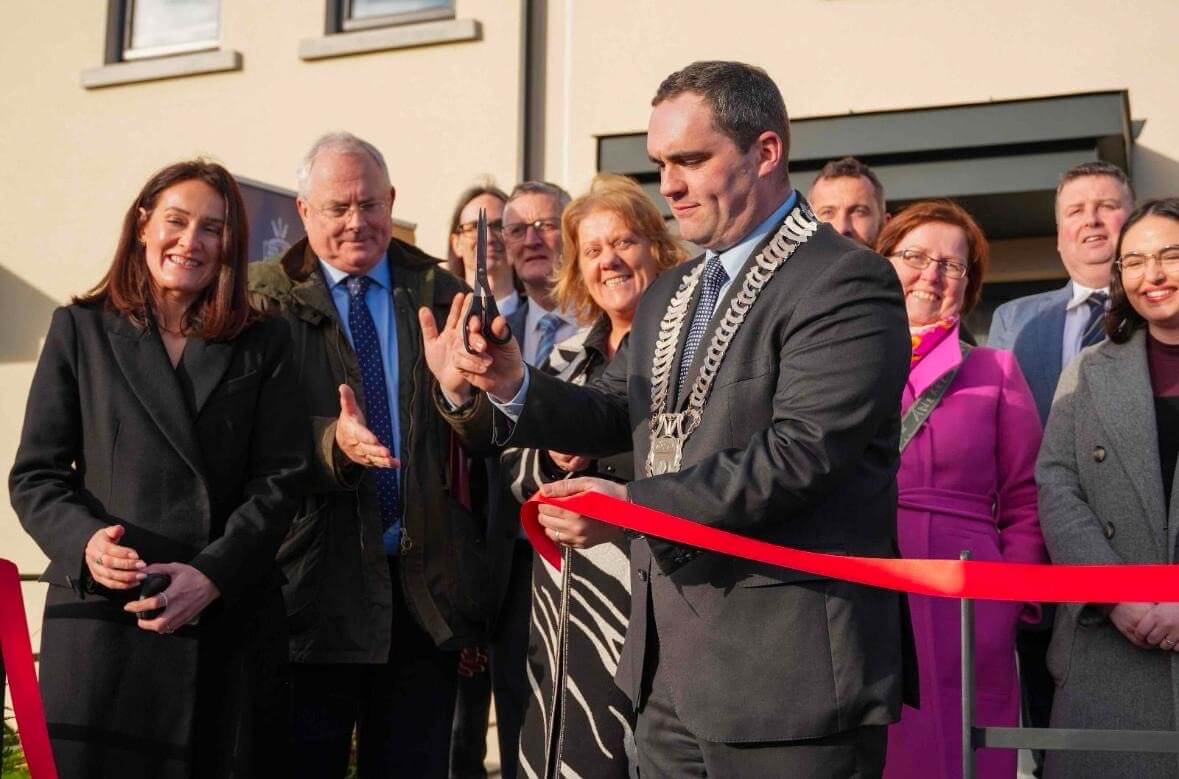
154	584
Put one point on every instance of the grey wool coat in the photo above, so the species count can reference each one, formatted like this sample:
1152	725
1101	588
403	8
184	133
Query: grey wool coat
1101	501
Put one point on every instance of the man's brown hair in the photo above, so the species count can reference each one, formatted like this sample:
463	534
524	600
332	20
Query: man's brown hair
851	168
745	101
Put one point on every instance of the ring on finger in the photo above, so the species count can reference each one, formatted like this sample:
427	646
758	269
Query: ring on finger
1168	643
558	536
164	598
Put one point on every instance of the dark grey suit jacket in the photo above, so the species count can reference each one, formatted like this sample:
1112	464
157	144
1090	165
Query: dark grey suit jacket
1033	328
798	446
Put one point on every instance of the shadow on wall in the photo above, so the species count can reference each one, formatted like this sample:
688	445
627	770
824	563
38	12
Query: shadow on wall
24	318
1155	174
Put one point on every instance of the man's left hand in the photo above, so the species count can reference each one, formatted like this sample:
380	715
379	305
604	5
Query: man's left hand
570	529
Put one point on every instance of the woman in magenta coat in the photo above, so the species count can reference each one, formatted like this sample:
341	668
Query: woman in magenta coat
966	482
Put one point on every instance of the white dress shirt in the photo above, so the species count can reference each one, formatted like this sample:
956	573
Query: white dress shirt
1076	316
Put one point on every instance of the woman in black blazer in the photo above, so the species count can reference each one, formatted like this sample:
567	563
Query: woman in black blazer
163	435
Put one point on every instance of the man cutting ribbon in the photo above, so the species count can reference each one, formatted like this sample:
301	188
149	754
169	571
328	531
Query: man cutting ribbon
760	390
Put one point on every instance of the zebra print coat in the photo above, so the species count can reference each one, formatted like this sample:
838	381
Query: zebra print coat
578	723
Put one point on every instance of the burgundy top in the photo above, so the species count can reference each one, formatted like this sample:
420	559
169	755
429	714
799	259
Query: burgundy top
1163	360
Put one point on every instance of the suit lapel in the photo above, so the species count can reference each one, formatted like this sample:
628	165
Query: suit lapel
206	363
681	397
1120	371
143	361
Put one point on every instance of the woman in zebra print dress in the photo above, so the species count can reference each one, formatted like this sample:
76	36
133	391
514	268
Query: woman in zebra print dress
578	722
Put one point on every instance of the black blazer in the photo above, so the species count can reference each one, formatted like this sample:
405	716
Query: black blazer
109	438
798	446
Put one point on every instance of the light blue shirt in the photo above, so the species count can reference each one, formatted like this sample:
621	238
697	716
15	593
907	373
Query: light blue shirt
733	259
379	298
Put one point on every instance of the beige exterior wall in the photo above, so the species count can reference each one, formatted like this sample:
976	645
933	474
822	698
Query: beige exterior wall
71	158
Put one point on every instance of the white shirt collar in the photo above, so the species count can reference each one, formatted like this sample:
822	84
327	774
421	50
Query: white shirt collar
1081	294
379	273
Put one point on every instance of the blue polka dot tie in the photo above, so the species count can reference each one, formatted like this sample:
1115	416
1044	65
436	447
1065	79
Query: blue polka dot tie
714	277
548	325
376	405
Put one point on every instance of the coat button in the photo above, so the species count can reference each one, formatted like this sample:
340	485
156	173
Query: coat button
1109	529
1099	453
642	575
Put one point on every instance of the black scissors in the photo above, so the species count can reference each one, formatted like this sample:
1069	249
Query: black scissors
482	304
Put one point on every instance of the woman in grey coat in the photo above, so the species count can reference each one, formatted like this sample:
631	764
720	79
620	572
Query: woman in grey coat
1106	474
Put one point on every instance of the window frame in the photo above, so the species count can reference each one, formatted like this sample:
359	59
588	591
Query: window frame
118	37
339	17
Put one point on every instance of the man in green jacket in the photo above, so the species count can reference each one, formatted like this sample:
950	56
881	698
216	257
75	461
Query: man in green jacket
386	571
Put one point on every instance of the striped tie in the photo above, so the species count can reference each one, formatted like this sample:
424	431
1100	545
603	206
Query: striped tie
1093	332
548	325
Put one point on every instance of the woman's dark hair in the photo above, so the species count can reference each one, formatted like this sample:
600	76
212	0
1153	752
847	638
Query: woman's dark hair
454	263
222	310
1122	321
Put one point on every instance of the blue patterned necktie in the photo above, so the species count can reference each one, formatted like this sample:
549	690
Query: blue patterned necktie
1093	332
376	402
548	325
714	278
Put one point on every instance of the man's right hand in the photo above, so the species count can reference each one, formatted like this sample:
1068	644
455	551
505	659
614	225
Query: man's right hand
355	440
496	369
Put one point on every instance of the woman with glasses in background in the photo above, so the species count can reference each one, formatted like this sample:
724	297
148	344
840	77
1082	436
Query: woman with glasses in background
1107	496
968	447
460	251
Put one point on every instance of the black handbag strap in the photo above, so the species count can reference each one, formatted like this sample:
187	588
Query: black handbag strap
927	401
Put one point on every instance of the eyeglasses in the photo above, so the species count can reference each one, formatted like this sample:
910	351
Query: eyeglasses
468	229
516	232
368	210
1133	265
919	260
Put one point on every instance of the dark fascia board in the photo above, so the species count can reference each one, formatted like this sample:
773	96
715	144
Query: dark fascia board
993	175
968	130
1063	119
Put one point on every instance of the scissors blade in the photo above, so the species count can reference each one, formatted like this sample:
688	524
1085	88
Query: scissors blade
481	255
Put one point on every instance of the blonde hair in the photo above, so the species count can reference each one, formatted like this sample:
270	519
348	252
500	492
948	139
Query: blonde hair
622	196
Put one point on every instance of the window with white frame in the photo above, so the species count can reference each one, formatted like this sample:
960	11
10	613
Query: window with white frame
155	28
365	14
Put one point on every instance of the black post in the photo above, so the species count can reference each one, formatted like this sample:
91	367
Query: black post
967	654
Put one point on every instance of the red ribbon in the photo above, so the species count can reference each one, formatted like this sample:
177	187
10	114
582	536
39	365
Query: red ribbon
22	676
949	578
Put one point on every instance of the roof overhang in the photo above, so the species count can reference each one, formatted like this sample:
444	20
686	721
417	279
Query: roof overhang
1001	159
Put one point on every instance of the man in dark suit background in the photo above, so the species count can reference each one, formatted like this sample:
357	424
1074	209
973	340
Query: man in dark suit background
1046	331
738	668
